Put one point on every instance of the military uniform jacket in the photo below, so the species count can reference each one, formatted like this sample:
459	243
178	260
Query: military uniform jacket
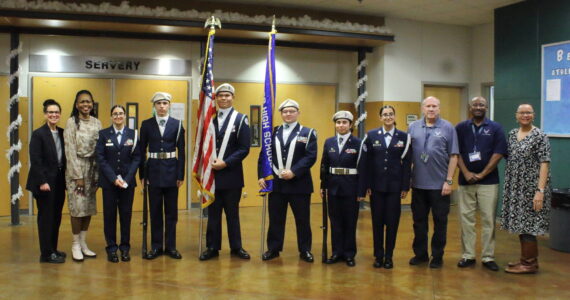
304	157
231	177
351	156
163	172
43	158
117	159
387	170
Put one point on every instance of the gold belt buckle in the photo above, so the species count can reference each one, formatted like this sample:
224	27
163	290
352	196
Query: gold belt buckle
161	155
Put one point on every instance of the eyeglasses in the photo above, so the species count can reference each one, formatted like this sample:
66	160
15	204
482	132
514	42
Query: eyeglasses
525	113
52	112
118	114
387	115
288	111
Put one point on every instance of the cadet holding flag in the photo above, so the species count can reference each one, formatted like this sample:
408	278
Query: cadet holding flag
343	178
295	152
163	136
232	147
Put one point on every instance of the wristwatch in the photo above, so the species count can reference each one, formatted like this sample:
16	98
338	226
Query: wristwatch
449	181
541	190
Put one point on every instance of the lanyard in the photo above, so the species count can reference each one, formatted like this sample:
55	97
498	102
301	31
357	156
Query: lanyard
427	135
475	133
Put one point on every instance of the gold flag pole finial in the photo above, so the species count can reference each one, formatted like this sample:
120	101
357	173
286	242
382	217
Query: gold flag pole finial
213	22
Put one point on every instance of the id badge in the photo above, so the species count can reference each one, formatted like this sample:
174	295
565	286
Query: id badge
474	156
424	157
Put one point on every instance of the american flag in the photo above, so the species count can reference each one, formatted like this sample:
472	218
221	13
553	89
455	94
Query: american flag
204	150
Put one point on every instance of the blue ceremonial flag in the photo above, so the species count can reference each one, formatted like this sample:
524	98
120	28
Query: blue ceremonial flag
267	117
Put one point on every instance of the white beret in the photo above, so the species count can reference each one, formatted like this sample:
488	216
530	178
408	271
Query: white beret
161	96
225	87
343	114
289	103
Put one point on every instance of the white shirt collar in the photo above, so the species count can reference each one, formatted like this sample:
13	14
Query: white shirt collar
117	130
224	111
291	126
165	118
391	132
343	136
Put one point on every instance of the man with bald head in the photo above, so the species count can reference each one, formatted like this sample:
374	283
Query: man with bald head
482	144
434	141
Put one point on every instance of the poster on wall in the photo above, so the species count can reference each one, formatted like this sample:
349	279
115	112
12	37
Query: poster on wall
555	95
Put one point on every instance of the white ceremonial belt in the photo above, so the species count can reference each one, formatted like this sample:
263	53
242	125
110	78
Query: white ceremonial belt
162	155
343	171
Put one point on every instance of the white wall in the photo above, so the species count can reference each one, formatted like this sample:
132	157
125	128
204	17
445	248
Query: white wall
482	58
423	52
231	62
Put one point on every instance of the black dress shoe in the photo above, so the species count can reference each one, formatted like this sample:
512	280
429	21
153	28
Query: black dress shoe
333	259
436	263
60	253
378	263
209	253
52	259
154	253
464	263
173	253
125	255
241	253
388	263
350	262
307	256
491	265
416	260
269	254
112	257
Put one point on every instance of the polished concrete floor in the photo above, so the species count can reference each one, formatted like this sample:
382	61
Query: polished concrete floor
23	277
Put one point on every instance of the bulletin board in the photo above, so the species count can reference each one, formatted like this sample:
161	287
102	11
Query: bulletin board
555	95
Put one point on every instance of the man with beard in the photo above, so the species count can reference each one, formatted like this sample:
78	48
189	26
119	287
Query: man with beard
482	144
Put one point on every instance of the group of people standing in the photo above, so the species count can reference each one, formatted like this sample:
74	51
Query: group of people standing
385	165
84	157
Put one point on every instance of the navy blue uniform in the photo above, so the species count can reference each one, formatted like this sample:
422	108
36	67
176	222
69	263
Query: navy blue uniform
343	191
296	191
229	182
163	175
116	159
389	174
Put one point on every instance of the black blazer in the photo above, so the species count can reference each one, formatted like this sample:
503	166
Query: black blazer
43	159
115	159
231	177
162	172
387	170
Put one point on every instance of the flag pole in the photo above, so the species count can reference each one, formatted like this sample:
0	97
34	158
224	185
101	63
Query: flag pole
272	94
212	22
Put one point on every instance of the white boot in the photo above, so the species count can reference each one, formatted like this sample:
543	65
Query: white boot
86	252
76	249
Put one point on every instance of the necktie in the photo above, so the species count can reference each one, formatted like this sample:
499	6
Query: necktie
340	140
221	114
286	126
119	137
161	122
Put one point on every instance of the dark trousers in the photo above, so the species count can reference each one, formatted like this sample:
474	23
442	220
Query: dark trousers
343	213
228	201
386	209
301	206
50	205
422	202
122	200
163	198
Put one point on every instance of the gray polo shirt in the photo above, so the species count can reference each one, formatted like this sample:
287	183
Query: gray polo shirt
438	142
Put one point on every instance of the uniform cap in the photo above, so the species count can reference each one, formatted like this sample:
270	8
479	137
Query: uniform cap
343	114
289	103
225	87
158	96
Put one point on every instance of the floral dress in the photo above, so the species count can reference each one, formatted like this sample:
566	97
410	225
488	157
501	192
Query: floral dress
81	164
521	183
